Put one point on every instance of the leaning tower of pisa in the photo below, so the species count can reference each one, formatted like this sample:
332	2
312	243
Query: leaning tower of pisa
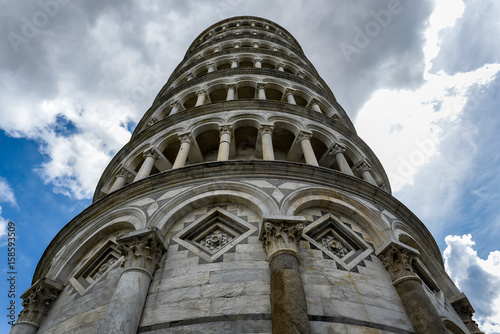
245	202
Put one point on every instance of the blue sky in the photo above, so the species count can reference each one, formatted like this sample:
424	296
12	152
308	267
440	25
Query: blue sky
419	79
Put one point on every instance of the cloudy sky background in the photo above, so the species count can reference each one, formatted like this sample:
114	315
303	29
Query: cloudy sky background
421	85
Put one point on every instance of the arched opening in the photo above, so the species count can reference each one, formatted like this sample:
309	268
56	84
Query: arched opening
273	94
208	142
218	95
171	150
300	100
245	63
223	66
246	92
282	141
245	138
319	147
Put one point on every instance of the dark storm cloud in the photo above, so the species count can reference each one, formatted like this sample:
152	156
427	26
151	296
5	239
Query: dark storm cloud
473	41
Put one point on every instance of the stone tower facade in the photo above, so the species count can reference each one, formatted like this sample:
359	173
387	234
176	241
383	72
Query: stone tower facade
244	202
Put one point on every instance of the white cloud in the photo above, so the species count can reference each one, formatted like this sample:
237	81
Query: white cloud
6	193
3	225
478	278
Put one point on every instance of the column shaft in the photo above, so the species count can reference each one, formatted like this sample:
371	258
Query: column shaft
230	92
224	144
290	98
175	109
267	144
125	308
146	167
119	182
182	155
307	150
423	315
261	92
201	99
343	165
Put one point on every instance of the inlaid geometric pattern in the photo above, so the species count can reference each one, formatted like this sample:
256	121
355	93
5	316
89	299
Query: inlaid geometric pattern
214	233
337	241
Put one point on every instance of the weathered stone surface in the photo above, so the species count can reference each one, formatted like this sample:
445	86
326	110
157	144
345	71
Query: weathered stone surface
288	303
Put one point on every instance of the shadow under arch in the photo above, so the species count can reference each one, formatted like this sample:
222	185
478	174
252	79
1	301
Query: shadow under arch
331	199
232	192
112	224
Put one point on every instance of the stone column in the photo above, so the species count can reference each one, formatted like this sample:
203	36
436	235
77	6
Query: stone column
280	67
201	98
261	91
37	301
289	96
465	311
142	249
257	63
180	159
281	238
147	165
365	168
234	63
175	108
301	74
398	259
315	105
255	44
304	139
225	142
237	45
338	151
230	92
121	179
211	68
266	132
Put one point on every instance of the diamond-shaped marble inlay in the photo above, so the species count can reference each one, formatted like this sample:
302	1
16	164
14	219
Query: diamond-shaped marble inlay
214	233
337	241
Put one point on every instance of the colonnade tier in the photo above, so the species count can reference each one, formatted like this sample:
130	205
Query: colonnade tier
259	24
247	57
330	143
273	79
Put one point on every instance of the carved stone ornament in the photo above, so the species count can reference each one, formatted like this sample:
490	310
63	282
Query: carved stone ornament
142	249
38	299
281	236
465	310
398	262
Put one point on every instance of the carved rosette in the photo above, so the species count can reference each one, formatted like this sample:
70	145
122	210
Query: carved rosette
281	237
37	301
465	310
398	262
142	250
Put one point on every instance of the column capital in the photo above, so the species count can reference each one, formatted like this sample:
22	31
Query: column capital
261	85
234	60
465	310
231	86
258	59
201	92
142	249
398	259
314	101
211	66
226	129
266	128
185	137
37	301
301	75
123	172
175	104
150	152
363	166
281	234
336	149
289	91
304	135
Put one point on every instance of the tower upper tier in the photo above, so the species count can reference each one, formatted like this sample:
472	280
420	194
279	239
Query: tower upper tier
244	91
